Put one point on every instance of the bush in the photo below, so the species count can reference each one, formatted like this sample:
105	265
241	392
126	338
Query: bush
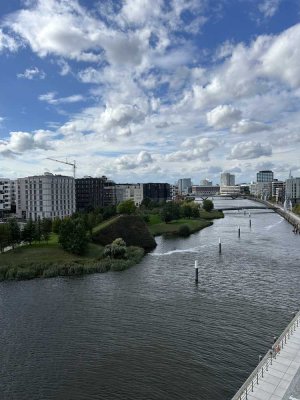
207	205
72	236
184	230
117	249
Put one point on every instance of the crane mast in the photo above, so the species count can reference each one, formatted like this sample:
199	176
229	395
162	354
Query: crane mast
73	164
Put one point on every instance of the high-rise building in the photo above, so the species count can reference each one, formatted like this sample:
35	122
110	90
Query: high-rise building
130	192
227	179
205	182
265	176
89	193
184	185
45	196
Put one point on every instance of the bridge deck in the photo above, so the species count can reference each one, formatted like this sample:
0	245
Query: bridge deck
278	375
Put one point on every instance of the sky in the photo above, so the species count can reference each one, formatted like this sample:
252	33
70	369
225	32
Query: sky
150	90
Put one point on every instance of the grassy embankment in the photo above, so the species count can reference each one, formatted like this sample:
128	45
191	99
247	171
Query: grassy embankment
296	209
49	260
158	227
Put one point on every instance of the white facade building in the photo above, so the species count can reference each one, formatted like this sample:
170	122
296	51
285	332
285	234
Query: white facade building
7	195
227	179
45	196
292	190
262	190
230	190
130	191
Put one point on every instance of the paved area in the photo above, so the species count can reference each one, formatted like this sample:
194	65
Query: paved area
282	380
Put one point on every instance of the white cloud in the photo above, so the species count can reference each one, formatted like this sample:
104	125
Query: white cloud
250	150
142	160
245	126
7	42
223	116
269	7
65	68
31	73
20	142
122	115
51	98
197	149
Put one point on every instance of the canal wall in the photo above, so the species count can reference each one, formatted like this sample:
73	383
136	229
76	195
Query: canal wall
287	215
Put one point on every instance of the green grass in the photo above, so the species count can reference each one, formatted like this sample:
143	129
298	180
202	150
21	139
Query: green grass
154	219
104	224
41	260
172	227
46	253
211	215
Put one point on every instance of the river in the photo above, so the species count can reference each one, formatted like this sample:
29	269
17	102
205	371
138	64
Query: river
150	332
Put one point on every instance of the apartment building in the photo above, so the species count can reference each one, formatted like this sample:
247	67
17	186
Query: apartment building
45	196
7	196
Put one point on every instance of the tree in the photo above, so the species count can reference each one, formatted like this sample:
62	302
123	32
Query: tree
126	207
147	203
38	230
56	225
187	211
28	231
46	228
170	211
14	232
207	205
117	249
184	230
4	236
72	236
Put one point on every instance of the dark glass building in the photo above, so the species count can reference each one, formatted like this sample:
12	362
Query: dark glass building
157	191
89	193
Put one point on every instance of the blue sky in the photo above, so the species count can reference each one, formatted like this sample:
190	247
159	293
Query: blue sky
144	90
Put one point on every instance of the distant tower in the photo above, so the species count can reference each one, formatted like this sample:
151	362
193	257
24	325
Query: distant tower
288	206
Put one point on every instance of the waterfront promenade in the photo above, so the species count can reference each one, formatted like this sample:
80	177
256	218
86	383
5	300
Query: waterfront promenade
277	377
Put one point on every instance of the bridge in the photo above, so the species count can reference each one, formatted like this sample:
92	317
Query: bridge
250	208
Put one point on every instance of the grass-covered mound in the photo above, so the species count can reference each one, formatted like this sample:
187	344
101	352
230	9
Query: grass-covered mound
174	227
131	228
50	260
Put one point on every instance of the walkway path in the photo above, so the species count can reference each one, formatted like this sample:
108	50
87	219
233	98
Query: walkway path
277	377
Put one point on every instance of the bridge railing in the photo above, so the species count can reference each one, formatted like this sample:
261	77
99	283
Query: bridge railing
263	367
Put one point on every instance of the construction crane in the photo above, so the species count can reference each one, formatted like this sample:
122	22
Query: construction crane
66	162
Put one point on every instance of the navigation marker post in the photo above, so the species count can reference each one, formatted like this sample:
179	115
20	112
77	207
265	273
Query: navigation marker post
220	246
196	271
250	223
239	231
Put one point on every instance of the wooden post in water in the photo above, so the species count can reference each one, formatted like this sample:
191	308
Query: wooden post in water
250	223
239	231
220	246
196	271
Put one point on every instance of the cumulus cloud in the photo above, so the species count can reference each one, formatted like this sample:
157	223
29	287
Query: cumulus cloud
20	142
31	73
142	160
223	116
250	150
122	115
196	149
245	126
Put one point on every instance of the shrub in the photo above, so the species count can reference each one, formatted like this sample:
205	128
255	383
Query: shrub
184	230
208	205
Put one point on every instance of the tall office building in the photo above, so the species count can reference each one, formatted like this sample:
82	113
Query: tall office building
89	193
227	179
184	185
265	176
45	196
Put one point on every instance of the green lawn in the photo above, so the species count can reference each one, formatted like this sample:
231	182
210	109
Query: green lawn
173	226
46	253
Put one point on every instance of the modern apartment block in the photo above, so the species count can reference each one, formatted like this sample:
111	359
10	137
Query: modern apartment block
157	191
89	193
45	196
292	190
227	179
130	191
7	196
265	176
184	185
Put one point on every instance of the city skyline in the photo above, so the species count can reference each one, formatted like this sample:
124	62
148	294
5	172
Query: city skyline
148	94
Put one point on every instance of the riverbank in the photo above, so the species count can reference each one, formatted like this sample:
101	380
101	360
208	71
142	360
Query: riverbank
157	227
46	260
